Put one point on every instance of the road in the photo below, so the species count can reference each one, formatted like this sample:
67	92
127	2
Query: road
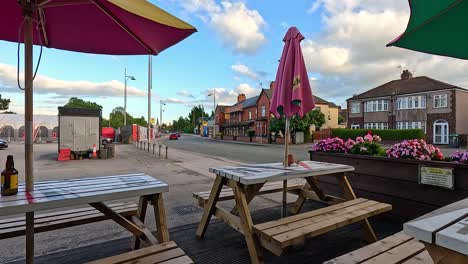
235	151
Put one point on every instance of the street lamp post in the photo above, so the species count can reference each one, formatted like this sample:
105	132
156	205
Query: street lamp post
161	111
214	111
127	77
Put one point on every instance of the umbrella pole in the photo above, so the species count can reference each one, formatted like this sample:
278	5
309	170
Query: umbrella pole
28	119
284	203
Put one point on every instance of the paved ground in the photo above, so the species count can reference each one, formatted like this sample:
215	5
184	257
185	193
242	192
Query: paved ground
185	172
236	151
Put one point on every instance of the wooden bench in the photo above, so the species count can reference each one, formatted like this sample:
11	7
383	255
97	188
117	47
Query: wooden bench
167	253
269	187
280	234
398	248
14	227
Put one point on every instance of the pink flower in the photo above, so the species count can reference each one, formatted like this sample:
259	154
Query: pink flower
359	139
368	138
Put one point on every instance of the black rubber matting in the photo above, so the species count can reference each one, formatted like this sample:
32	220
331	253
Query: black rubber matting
222	244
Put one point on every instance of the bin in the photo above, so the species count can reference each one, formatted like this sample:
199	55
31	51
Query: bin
454	141
110	151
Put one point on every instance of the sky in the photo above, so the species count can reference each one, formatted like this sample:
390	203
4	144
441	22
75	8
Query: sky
236	50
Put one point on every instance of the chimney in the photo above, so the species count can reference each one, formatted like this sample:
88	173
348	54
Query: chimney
241	97
406	75
272	86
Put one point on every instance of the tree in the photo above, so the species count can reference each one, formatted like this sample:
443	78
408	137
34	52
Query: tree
139	121
117	118
196	114
277	125
4	103
317	118
80	103
182	124
340	119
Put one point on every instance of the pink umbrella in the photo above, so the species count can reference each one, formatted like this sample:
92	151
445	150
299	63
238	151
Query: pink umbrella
119	27
293	95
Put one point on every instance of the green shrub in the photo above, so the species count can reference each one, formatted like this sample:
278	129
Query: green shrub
251	133
385	134
368	148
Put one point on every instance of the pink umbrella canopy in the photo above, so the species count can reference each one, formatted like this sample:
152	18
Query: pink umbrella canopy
118	27
292	95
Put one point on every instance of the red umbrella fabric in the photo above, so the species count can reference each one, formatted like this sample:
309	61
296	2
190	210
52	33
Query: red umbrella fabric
292	95
118	27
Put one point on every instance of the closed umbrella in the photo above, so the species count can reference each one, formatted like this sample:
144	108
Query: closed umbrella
118	27
292	95
436	27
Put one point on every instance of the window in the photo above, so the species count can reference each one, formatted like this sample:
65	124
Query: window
376	106
411	102
355	108
412	125
376	125
355	126
263	111
440	100
250	115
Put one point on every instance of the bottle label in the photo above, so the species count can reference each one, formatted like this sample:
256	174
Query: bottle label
14	181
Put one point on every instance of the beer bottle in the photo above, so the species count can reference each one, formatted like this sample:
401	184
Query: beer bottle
9	178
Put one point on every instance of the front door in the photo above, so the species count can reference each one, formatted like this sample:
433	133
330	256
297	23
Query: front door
441	129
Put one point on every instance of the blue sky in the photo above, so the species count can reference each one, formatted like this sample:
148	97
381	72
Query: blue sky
235	49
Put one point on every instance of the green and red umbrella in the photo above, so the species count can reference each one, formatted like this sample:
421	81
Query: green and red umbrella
436	27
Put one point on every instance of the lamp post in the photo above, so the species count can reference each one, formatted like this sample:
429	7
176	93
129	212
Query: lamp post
150	86
161	111
214	111
127	77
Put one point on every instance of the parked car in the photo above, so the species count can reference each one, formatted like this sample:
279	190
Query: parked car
3	143
173	136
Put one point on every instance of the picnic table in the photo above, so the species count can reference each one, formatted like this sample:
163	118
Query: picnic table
94	191
243	183
444	232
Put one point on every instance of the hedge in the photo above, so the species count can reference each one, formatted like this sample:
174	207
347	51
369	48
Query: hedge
385	134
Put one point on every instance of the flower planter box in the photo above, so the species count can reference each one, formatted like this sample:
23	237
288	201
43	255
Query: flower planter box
395	181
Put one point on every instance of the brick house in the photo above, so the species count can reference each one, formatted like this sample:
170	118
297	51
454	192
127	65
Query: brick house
254	114
412	102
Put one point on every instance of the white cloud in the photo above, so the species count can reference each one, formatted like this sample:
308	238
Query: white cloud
284	24
239	27
349	56
185	93
46	85
247	72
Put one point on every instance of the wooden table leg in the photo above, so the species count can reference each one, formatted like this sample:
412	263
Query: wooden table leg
30	237
210	205
250	192
160	217
348	194
253	244
312	184
141	214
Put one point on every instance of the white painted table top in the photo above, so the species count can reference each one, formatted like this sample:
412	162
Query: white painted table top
72	192
260	173
446	227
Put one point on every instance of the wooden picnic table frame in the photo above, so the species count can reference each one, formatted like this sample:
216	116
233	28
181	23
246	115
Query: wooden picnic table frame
94	191
244	194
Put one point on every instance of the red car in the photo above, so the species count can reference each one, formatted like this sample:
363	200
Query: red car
173	136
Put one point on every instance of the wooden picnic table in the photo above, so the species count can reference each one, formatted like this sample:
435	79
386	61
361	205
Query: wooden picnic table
444	232
247	181
94	191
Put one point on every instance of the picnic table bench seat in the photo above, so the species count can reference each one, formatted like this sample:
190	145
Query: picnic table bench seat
397	248
167	253
14	227
269	187
281	234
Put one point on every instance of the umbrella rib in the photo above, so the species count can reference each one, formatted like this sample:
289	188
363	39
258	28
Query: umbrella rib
122	25
42	28
427	21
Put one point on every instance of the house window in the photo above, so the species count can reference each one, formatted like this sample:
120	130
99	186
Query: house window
250	115
411	102
376	106
412	125
263	111
376	125
440	100
240	116
355	108
355	126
